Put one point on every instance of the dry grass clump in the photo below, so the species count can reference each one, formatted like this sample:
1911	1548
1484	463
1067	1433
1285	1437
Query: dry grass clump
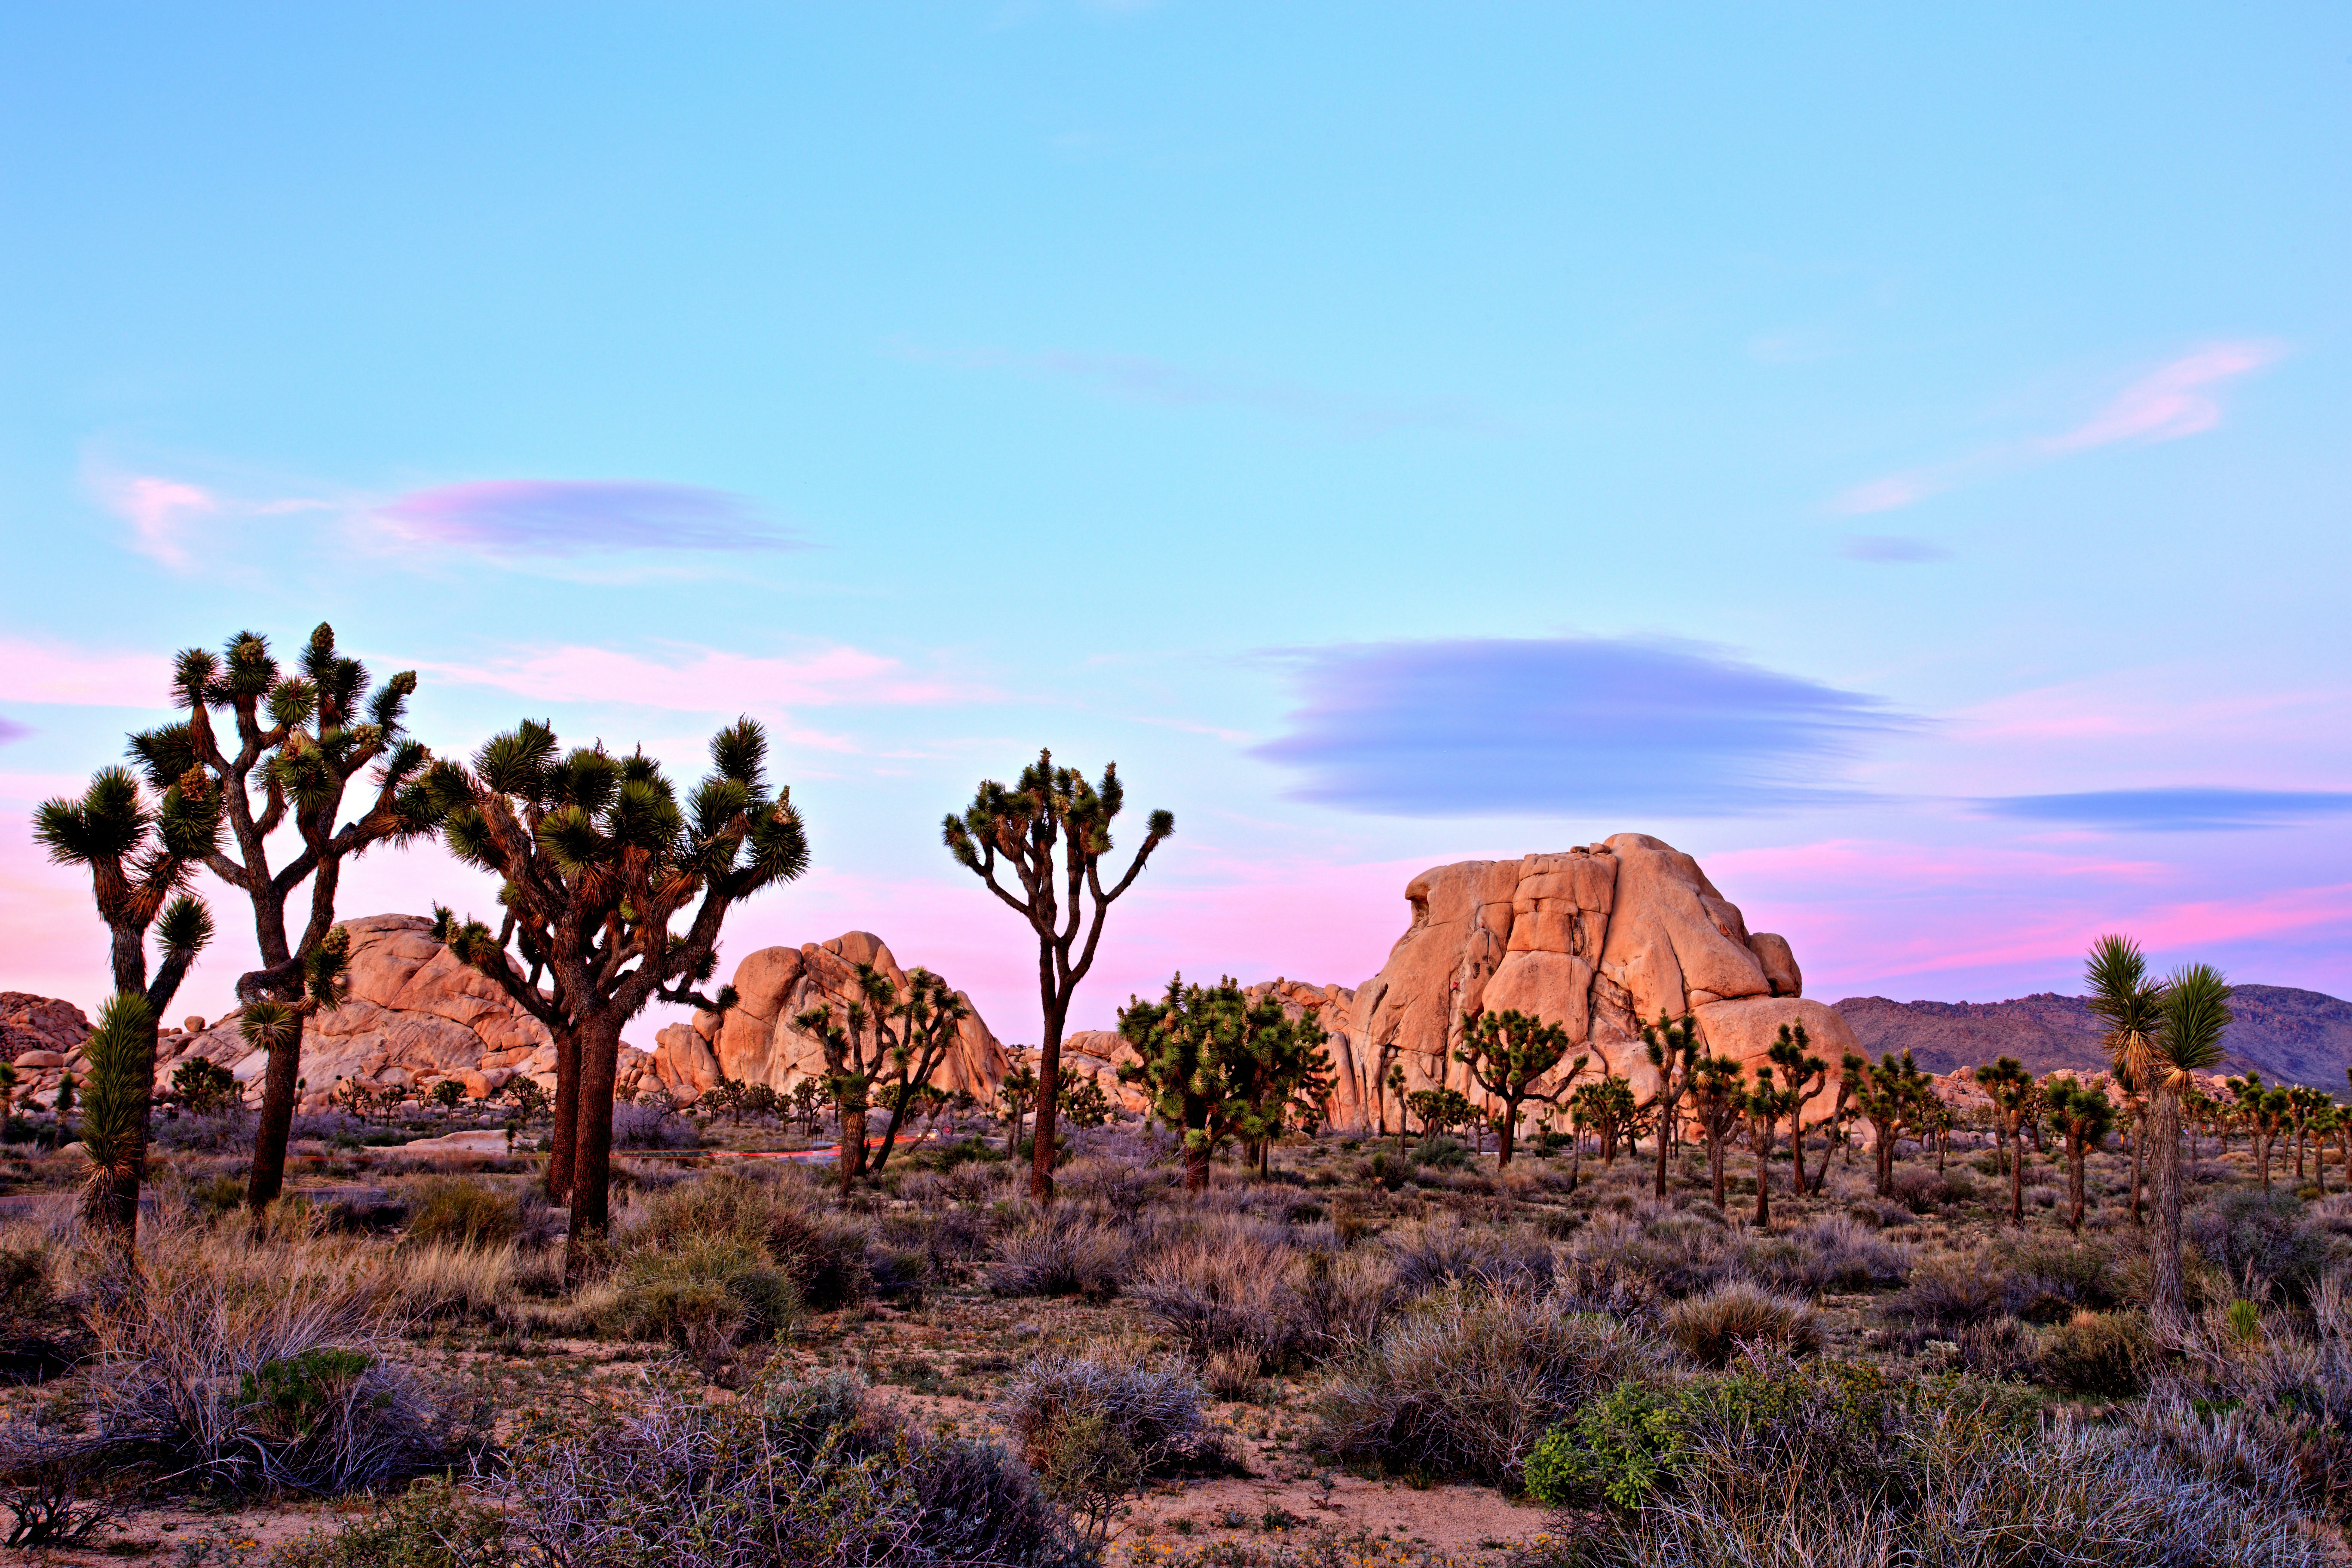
1062	1252
1648	1251
830	1257
2260	1243
459	1211
1463	1384
1443	1251
1146	1418
41	1327
1832	1253
1732	1318
1237	1293
255	1362
2108	1353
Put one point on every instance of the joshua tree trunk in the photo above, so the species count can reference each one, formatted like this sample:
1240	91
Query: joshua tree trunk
1764	1176
2016	1177
591	1157
2074	1188
269	1134
2140	1142
1714	1165
563	1139
2169	1300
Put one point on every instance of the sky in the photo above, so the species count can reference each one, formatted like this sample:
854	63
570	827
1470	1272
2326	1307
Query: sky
1898	455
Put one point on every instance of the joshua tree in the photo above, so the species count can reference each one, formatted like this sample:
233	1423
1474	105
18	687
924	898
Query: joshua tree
1674	1049
1766	1105
1219	1067
889	1049
599	858
1019	830
2132	1007
299	741
1506	1053
140	858
1610	1109
1718	1102
2302	1104
1805	1076
2267	1112
114	1119
1852	1073
2082	1116
2011	1088
2196	1011
1017	1093
1892	1095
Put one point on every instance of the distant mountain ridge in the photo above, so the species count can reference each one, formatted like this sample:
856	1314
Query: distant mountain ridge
2287	1035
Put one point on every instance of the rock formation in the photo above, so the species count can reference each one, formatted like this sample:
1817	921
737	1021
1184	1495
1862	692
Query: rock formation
415	1015
756	1041
1598	940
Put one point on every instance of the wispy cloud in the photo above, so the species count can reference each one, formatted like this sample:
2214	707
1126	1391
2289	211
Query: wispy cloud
709	680
1137	378
12	731
159	511
1566	725
2173	401
572	517
2173	810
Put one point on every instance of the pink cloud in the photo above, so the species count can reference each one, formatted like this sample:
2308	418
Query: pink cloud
158	510
53	672
709	680
2168	403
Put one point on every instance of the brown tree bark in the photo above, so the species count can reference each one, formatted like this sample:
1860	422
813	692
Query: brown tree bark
2167	1305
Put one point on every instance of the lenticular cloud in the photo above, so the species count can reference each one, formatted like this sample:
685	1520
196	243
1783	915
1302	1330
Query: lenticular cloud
571	517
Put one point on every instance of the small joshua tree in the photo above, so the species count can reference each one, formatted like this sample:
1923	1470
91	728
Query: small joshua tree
2196	1011
886	1048
1395	1081
1219	1067
1892	1095
1050	832
114	1118
140	853
1507	1053
1016	1094
2011	1088
1718	1102
2131	1006
1767	1105
2082	1116
1675	1051
1805	1074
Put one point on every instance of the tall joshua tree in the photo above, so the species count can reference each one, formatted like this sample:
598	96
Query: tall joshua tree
1894	1098
599	859
1766	1105
1506	1053
1806	1075
2196	1011
297	742
140	857
2131	1006
2082	1115
1718	1102
1674	1049
1019	831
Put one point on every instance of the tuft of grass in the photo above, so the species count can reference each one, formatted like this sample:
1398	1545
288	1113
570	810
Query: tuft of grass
1714	1328
1062	1251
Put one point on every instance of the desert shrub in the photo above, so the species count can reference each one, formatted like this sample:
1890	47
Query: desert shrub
792	1475
1238	1288
1442	1153
639	1125
264	1362
1828	1254
337	1127
826	1255
433	1524
2047	1279
41	1328
702	1293
1652	1252
442	1281
213	1133
1466	1381
1920	1189
1958	1489
1713	1327
457	1211
1062	1251
1153	1417
1445	1251
1947	1294
2099	1352
2259	1241
2003	1347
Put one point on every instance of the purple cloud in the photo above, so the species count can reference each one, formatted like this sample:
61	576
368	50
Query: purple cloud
2174	810
572	517
1558	726
12	731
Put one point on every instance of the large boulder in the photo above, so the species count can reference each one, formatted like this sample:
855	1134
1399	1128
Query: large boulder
415	1017
757	1040
1599	939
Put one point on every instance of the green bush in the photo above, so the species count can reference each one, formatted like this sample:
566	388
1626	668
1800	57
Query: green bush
456	1211
434	1524
1618	1450
704	1294
2099	1352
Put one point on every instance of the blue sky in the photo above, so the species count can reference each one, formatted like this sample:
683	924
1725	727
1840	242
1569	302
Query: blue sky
1899	457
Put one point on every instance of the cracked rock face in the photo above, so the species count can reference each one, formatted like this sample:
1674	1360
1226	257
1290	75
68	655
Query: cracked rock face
756	1041
1599	939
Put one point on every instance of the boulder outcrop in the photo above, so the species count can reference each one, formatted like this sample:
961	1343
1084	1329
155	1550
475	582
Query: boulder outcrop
756	1041
415	1015
1598	940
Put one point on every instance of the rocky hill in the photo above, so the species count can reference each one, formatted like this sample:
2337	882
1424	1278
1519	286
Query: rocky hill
2287	1035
